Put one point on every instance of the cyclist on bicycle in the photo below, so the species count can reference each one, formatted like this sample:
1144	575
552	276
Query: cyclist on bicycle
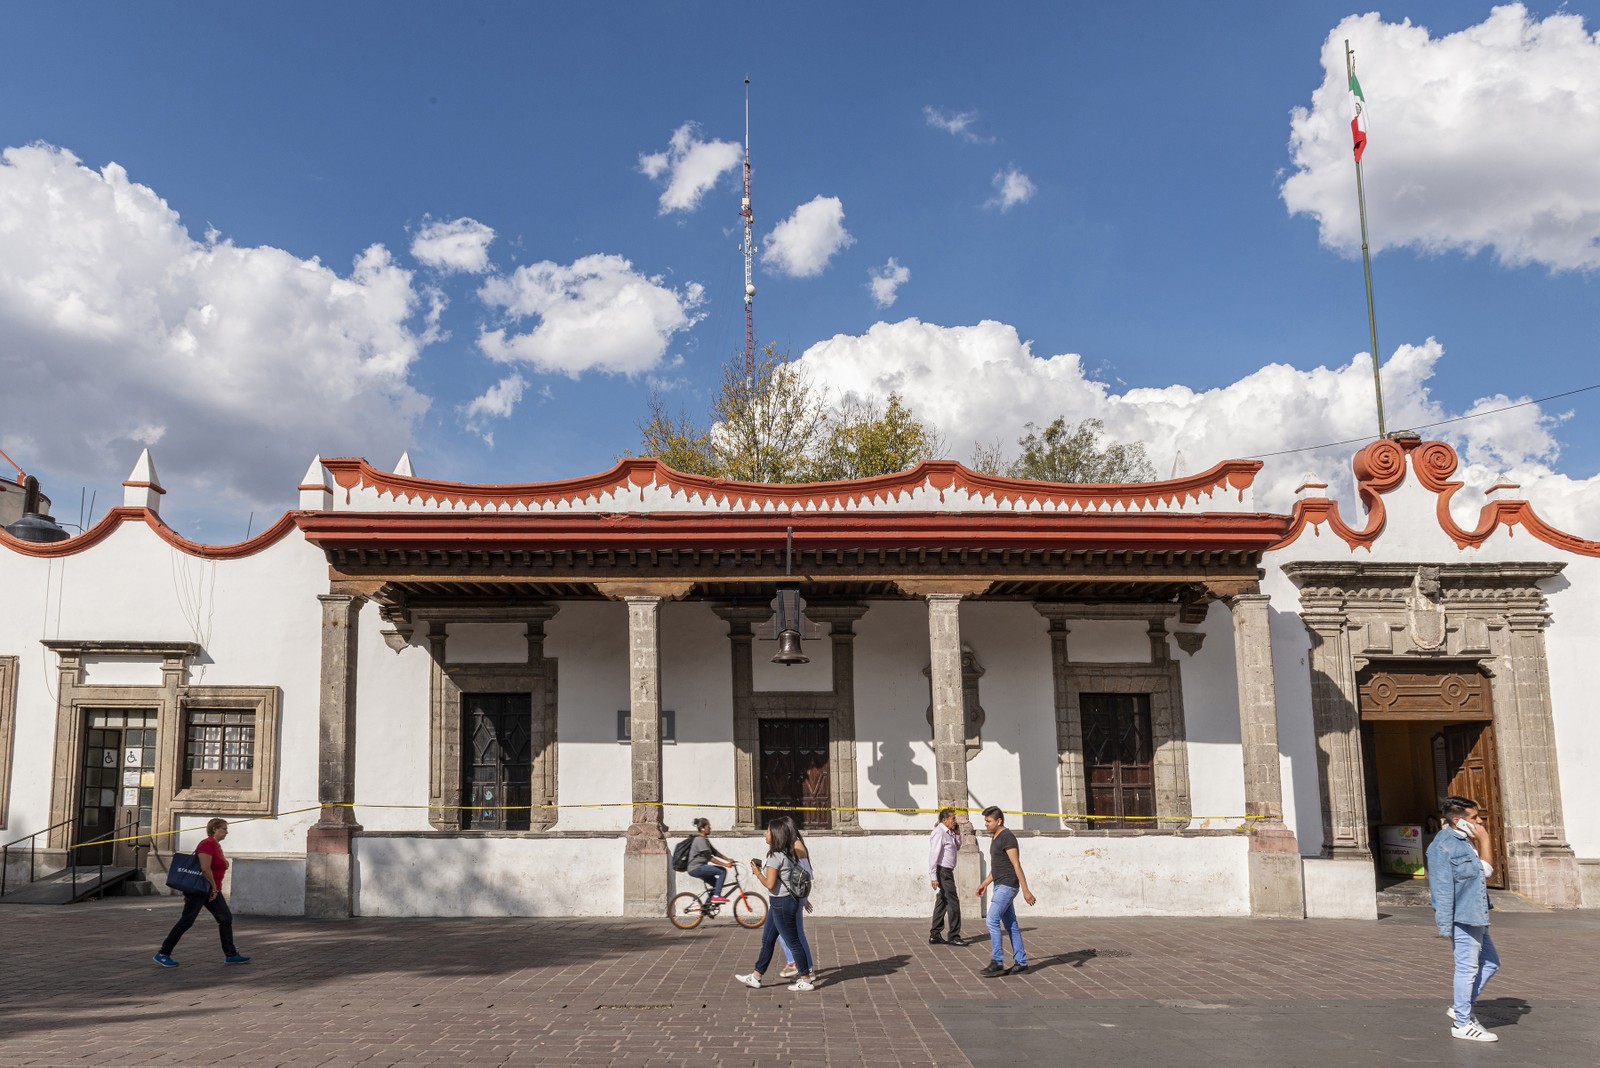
706	862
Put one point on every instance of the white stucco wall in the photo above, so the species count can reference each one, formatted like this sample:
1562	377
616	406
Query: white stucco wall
488	877
1154	875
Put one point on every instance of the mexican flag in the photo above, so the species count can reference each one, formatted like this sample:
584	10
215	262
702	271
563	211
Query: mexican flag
1358	117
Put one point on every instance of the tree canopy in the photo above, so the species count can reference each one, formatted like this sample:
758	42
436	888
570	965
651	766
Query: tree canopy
1060	453
779	427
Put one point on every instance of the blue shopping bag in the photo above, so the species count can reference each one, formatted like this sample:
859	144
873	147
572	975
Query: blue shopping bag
184	874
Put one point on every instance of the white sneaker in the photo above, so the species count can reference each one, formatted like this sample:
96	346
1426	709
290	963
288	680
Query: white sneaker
801	984
789	971
753	981
1474	1032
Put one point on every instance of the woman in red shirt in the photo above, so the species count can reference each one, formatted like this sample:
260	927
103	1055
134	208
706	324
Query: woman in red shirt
214	865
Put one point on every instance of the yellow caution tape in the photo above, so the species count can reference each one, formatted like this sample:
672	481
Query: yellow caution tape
658	804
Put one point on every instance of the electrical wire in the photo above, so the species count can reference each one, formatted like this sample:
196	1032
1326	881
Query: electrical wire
1428	426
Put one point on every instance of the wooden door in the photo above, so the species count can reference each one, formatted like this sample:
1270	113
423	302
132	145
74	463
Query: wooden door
1118	766
1470	766
794	774
497	780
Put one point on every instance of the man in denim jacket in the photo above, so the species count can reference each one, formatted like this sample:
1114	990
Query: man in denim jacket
1458	872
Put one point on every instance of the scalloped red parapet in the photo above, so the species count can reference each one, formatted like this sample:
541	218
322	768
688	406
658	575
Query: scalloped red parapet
1381	468
941	475
115	517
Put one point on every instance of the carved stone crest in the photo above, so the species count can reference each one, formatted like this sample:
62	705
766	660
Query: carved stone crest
1425	610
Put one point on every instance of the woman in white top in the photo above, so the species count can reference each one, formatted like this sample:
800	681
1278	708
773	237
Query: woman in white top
781	858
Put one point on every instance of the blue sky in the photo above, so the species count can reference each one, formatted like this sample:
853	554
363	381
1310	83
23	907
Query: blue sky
1150	242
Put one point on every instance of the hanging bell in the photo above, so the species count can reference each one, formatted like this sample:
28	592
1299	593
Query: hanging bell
789	649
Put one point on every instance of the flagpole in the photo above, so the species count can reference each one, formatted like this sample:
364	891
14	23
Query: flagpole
1366	261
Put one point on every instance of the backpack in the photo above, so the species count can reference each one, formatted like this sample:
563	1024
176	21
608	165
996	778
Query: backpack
796	880
680	855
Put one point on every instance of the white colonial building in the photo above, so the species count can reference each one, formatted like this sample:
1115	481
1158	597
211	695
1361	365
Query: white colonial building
427	698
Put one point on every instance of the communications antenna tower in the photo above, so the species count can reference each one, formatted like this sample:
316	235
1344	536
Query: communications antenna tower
749	249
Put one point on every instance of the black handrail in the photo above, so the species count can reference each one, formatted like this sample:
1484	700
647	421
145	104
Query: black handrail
33	852
100	860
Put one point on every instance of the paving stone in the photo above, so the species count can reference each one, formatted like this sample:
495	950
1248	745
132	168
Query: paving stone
77	987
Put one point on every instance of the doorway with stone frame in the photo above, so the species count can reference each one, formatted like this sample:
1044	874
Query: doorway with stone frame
1489	618
1427	732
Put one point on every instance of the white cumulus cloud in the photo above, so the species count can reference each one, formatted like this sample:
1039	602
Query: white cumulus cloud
801	245
597	314
121	330
1004	384
885	282
1011	187
1488	138
497	402
452	245
691	167
956	123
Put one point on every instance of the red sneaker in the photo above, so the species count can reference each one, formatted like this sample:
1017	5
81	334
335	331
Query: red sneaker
718	900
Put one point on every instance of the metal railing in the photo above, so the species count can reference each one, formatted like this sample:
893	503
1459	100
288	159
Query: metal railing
100	860
33	852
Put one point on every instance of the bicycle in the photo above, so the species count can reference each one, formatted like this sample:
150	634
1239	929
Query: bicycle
687	910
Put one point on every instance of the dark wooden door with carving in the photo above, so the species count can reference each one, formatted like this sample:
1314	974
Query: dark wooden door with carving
497	779
794	773
1469	766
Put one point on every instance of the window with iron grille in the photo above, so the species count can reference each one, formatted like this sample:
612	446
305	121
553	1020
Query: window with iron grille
497	749
219	748
1117	764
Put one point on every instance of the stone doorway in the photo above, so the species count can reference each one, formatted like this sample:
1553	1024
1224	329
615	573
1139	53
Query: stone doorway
1427	731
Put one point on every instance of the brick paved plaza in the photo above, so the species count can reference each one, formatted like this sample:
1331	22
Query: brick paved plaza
77	987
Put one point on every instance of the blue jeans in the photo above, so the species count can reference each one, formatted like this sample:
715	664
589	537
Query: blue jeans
1003	917
1476	962
800	928
781	921
715	874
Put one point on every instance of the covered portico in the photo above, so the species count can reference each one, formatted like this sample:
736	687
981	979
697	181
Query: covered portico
432	555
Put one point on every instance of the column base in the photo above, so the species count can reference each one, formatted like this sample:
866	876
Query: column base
1548	874
330	871
1276	886
644	884
328	890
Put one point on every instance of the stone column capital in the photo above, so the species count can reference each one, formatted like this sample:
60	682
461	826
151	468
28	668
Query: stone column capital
937	589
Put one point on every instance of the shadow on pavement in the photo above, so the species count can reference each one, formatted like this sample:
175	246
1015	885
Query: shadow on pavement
865	969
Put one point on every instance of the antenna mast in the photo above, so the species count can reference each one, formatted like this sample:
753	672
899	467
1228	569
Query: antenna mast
749	249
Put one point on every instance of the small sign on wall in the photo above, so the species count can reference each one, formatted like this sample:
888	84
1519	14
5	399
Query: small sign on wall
669	727
133	756
130	797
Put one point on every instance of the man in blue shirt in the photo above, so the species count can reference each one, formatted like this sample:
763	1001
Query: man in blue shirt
1458	872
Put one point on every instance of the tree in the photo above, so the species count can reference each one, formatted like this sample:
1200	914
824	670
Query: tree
778	427
1062	454
866	439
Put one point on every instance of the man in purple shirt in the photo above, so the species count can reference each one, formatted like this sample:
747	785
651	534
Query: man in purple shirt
943	844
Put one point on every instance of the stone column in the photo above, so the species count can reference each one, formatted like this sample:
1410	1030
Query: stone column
644	863
950	729
1538	857
1335	712
1276	881
328	863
